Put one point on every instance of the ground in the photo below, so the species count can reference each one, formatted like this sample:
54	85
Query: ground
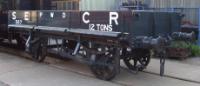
20	71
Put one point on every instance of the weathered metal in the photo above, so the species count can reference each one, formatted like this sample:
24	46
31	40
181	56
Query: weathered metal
98	38
3	16
184	36
3	23
138	23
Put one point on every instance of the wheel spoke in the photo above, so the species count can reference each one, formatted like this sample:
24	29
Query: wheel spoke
135	63
141	59
106	70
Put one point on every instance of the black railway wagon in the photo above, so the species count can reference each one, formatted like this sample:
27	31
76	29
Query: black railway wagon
99	38
137	23
3	24
145	23
6	5
3	20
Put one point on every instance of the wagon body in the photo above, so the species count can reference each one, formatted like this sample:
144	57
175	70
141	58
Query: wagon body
136	23
3	23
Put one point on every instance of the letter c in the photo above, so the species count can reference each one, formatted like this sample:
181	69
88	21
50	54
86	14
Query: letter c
83	17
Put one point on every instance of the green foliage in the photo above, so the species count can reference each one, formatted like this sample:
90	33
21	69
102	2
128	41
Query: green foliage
195	49
179	44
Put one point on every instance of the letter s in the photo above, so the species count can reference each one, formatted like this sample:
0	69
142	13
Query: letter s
14	17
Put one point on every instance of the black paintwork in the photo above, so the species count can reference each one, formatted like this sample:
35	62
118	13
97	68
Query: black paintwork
141	23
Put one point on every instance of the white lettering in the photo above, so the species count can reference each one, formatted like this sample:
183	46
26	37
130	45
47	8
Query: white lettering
113	17
83	17
14	17
63	15
110	28
100	27
91	27
27	16
41	13
52	14
18	21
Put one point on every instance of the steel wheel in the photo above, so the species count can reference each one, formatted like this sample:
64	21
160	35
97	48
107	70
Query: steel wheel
39	51
21	42
104	66
138	60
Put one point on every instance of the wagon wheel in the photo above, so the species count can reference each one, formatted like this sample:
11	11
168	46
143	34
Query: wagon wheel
21	40
139	60
104	66
39	51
